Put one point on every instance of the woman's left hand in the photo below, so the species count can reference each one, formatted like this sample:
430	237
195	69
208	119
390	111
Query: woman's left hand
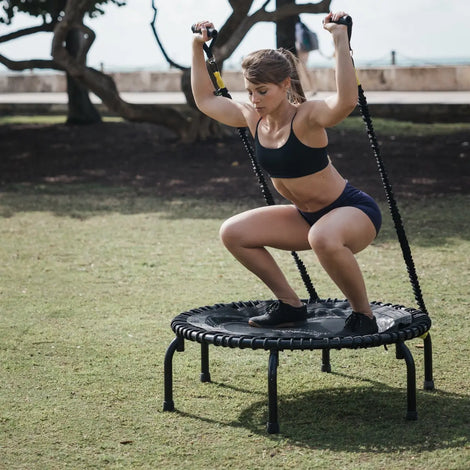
329	22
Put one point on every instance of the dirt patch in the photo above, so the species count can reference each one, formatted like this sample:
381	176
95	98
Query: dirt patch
147	156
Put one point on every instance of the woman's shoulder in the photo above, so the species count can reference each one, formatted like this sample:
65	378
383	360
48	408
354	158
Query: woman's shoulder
306	126
309	104
251	116
307	112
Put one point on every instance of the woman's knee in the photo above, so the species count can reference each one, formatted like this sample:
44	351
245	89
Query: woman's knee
230	232
323	242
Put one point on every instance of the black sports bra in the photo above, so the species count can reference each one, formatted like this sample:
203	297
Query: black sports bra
293	160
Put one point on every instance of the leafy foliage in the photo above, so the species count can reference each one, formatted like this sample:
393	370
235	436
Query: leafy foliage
51	10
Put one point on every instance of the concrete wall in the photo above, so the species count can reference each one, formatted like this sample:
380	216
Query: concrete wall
439	78
416	78
30	83
385	79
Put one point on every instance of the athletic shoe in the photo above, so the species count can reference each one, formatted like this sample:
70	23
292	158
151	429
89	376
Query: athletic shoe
280	314
358	324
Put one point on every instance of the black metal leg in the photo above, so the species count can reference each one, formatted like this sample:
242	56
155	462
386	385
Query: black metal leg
404	353
428	377
176	345
205	374
272	425
325	365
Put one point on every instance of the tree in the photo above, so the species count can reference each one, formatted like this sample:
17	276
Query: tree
187	125
285	28
80	108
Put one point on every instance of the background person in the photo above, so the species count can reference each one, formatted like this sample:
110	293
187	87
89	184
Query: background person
306	41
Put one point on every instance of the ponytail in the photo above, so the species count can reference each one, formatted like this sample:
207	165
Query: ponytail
297	94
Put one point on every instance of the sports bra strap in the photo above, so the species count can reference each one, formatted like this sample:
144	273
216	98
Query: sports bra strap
257	124
291	123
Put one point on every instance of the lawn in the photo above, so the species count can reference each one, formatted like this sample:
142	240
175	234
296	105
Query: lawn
91	277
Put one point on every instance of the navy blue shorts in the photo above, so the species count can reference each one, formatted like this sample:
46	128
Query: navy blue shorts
350	197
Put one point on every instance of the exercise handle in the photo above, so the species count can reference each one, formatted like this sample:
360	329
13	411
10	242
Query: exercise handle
346	21
211	32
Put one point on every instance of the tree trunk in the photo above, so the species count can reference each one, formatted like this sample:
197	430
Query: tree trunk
285	28
186	88
80	108
203	126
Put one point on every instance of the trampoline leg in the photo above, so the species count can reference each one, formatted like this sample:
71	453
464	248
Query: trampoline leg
205	374
402	352
176	345
428	378
325	365
272	425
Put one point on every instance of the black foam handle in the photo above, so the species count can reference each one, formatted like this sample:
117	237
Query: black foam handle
346	21
211	32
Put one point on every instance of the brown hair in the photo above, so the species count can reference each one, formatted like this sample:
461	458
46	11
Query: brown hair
274	66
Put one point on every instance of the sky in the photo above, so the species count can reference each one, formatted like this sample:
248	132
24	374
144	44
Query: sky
420	31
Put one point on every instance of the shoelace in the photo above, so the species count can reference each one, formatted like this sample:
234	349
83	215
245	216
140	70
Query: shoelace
352	320
275	305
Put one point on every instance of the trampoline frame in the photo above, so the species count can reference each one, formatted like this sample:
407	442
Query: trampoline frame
185	331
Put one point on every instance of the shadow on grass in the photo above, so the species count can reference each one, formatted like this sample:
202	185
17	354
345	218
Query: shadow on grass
428	221
361	419
371	419
86	201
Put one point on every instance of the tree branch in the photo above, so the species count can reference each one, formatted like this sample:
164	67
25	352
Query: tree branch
228	43
291	10
103	85
154	29
45	27
20	65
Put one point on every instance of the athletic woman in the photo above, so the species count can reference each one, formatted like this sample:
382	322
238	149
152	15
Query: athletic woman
326	213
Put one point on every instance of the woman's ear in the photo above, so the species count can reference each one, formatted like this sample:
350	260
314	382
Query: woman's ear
286	83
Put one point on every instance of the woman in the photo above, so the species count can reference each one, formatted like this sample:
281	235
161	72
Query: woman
327	214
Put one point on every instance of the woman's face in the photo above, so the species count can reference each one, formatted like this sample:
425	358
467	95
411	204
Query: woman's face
266	97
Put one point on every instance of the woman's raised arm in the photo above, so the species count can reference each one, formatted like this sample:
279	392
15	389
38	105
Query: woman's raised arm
337	107
221	109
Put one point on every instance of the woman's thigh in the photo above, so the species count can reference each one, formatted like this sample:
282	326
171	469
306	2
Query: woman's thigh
279	226
348	226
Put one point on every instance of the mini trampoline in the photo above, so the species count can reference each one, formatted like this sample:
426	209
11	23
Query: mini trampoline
226	324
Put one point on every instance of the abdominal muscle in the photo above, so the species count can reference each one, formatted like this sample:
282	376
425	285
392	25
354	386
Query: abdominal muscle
312	192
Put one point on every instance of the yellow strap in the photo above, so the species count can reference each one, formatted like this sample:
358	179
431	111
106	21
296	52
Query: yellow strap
357	78
218	79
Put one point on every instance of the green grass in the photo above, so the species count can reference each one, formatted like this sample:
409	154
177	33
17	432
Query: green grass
46	119
90	280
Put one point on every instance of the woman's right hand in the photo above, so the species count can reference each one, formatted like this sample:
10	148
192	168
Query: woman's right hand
202	26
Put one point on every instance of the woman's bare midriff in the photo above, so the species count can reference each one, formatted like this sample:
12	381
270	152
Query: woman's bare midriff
312	192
